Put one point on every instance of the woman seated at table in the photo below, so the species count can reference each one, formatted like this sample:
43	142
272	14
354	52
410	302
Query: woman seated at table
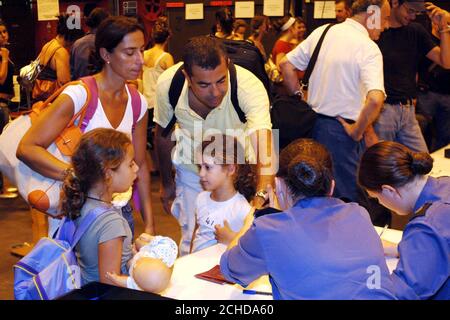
396	176
319	247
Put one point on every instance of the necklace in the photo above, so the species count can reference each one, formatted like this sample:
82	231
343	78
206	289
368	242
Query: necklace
97	199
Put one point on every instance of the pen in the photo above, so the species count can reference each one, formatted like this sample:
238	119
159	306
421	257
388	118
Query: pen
245	291
384	229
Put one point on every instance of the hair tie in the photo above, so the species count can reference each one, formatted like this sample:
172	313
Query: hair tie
288	24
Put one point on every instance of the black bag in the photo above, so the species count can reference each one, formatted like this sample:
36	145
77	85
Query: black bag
292	116
248	56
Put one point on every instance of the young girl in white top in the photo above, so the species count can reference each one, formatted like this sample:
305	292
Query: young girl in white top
229	183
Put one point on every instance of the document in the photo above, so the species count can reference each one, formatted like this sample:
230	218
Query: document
324	10
47	9
194	11
273	8
244	9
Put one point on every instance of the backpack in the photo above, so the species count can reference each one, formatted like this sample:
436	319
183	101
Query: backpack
248	56
176	86
41	192
51	268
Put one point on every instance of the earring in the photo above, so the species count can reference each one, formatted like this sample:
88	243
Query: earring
108	62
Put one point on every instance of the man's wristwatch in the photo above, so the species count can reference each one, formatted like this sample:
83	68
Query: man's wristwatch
262	194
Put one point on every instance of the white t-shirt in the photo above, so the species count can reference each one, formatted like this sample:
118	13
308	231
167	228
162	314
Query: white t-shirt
150	76
99	120
210	213
349	65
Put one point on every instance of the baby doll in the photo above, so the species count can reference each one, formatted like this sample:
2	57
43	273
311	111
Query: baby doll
151	267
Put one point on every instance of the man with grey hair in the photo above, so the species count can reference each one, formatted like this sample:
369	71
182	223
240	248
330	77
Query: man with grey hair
346	88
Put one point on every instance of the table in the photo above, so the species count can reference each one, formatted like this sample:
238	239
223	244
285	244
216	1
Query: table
441	164
184	285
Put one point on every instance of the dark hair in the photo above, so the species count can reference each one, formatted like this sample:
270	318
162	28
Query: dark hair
109	34
228	151
161	31
224	17
359	6
348	3
70	35
98	150
307	168
256	23
205	52
391	163
239	23
96	17
2	23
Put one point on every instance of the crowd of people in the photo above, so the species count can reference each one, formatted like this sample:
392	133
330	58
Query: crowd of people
303	216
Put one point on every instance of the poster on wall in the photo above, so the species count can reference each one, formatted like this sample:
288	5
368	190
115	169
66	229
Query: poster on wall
273	8
244	9
324	10
47	9
194	11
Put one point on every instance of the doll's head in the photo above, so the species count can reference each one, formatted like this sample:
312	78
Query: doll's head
142	240
151	274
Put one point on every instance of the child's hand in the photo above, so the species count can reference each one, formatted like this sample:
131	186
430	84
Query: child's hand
224	234
113	277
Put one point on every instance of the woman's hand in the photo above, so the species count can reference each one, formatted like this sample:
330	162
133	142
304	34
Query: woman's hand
390	248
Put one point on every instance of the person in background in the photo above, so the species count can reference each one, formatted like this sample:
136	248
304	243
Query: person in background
229	182
300	34
85	46
223	28
402	46
433	98
398	178
119	44
6	93
239	29
55	55
347	99
156	60
317	247
260	26
291	29
343	10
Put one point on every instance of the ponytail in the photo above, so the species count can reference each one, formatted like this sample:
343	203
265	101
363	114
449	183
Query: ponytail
391	163
73	195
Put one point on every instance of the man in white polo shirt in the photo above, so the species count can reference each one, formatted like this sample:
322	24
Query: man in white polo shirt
346	87
205	107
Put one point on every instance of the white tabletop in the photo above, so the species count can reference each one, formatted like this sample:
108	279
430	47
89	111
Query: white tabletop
441	164
185	286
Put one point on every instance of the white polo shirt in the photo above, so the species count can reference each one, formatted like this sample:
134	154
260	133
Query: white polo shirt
253	101
349	65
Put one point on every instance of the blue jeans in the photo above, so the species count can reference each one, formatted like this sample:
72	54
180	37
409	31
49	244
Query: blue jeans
436	108
345	153
398	123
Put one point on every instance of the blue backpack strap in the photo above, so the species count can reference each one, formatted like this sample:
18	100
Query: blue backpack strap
92	106
176	86
90	217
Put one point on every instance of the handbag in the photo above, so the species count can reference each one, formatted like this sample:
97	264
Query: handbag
39	191
292	115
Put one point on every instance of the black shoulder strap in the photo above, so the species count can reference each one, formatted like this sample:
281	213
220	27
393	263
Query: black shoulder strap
176	86
265	211
314	57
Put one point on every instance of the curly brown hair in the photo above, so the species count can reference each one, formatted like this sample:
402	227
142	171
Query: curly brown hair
98	150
